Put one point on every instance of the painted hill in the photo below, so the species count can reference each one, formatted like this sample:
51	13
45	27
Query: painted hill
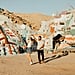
33	20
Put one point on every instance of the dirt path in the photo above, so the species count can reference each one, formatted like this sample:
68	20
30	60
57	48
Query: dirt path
19	65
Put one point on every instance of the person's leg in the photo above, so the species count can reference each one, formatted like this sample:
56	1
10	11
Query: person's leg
46	51
53	44
39	56
29	55
29	58
42	54
56	47
4	51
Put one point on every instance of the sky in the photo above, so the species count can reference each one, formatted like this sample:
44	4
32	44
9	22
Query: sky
47	7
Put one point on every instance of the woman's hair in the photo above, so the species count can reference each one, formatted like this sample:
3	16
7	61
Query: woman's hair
30	38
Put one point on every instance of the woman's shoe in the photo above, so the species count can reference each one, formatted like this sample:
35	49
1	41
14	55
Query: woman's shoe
31	63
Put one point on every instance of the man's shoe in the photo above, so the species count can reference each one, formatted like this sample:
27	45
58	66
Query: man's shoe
42	62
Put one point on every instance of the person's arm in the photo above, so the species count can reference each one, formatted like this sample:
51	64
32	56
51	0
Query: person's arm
34	37
42	46
62	38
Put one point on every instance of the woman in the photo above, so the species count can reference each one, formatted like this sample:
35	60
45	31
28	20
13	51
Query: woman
29	48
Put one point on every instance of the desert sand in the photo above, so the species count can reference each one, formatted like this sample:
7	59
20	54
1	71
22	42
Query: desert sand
19	65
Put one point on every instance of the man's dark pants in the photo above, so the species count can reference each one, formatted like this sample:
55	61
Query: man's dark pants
40	53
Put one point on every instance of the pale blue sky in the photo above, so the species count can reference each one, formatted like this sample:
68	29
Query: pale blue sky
37	6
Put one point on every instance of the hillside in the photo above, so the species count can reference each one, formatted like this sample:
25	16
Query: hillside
34	19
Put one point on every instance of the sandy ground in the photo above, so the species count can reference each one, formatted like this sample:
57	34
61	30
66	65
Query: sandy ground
19	65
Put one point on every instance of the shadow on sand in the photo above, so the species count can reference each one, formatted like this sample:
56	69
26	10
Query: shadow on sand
53	57
47	59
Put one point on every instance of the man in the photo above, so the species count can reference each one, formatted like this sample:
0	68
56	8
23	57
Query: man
40	49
